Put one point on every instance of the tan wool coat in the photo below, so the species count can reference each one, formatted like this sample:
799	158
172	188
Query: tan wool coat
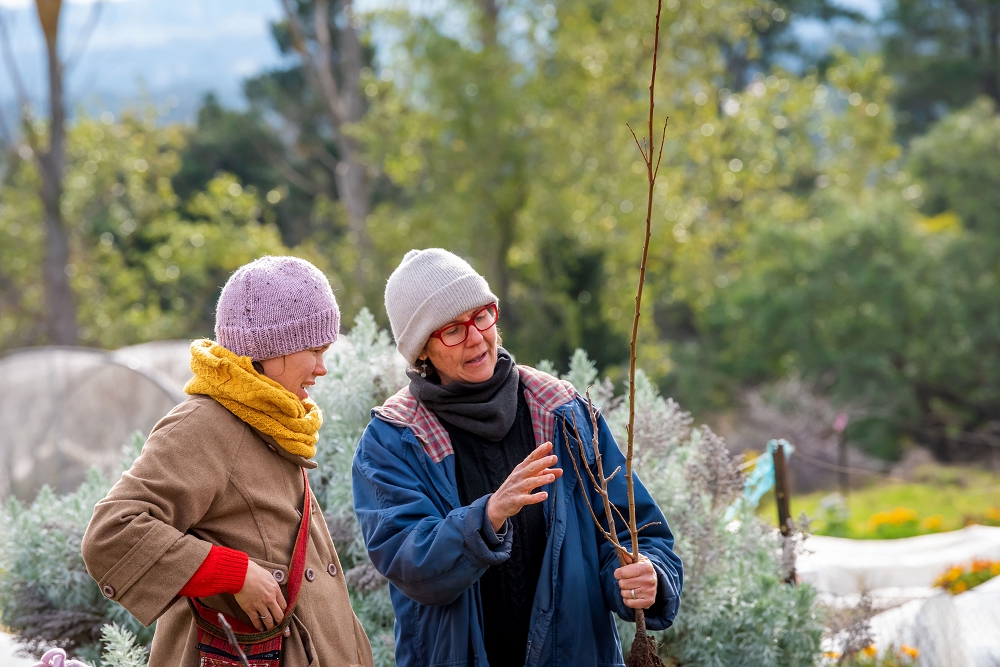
205	477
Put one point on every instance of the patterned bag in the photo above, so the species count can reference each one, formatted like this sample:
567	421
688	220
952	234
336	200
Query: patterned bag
224	641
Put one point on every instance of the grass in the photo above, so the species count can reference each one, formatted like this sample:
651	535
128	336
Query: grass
939	498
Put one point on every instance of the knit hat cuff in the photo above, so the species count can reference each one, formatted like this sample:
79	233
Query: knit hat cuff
317	330
439	308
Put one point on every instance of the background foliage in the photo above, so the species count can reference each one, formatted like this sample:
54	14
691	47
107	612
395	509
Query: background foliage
829	216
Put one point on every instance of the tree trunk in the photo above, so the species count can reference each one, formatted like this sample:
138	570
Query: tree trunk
343	105
509	191
491	14
60	305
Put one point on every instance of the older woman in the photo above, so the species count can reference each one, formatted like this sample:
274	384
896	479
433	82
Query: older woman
491	552
217	507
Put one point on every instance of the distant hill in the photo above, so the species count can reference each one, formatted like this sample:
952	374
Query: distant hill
172	51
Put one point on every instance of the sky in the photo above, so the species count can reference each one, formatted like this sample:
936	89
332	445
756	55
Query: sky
173	52
169	51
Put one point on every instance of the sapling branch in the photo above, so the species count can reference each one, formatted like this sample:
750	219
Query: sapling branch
643	649
610	537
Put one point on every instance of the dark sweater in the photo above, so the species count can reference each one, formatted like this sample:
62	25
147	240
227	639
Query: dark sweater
508	590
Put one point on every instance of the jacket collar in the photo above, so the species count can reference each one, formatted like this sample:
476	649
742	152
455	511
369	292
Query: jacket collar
273	445
543	393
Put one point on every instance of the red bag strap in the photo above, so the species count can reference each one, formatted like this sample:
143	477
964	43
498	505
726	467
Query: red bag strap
206	617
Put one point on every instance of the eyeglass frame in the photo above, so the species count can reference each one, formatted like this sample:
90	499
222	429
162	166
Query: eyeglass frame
471	322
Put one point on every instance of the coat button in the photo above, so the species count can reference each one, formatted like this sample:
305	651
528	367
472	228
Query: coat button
279	576
332	569
108	591
310	575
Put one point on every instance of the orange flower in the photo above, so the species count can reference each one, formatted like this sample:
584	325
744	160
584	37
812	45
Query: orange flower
980	565
933	523
870	651
960	587
897	517
833	655
910	651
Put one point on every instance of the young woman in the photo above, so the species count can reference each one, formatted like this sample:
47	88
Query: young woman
489	548
216	508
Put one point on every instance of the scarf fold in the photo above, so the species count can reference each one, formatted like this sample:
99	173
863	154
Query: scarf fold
485	408
255	398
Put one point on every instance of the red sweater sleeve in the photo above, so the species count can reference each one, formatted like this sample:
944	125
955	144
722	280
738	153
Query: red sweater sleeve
223	571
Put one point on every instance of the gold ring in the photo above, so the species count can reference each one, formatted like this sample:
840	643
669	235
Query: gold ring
633	593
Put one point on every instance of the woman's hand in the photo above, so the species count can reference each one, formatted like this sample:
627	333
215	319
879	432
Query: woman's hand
261	598
534	471
637	582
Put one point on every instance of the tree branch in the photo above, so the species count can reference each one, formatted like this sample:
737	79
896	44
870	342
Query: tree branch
638	145
324	73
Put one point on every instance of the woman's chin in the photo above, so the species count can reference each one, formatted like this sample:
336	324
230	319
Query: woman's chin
480	371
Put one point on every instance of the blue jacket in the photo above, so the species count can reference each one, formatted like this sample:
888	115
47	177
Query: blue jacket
433	550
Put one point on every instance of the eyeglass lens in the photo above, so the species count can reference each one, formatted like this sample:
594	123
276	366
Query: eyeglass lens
457	334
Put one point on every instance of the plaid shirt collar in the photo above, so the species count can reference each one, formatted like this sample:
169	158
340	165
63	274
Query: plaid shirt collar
543	393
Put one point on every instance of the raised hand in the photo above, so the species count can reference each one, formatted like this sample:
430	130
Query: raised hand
517	490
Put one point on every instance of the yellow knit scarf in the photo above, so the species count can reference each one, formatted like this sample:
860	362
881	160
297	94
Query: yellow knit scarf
255	398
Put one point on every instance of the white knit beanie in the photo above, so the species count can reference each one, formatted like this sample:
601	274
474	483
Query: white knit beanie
427	290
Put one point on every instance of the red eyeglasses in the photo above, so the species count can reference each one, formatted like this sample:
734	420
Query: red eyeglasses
456	332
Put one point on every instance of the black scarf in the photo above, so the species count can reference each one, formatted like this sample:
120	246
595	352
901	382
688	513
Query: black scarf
485	408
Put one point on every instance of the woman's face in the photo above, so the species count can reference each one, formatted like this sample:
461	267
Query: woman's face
298	370
472	361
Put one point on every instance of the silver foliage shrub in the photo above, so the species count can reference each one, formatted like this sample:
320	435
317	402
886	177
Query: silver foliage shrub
47	598
735	610
121	648
362	372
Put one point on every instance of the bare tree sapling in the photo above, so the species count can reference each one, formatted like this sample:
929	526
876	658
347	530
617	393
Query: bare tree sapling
643	653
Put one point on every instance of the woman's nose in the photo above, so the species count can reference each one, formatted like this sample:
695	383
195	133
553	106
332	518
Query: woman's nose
474	338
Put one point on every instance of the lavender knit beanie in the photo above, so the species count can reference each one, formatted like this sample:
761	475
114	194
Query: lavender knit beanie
274	306
427	290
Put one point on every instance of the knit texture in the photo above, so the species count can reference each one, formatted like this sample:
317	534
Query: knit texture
274	306
255	398
426	291
224	570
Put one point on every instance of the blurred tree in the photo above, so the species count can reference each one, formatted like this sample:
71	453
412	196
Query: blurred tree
61	309
885	306
241	143
325	36
509	151
943	53
958	164
141	267
768	40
